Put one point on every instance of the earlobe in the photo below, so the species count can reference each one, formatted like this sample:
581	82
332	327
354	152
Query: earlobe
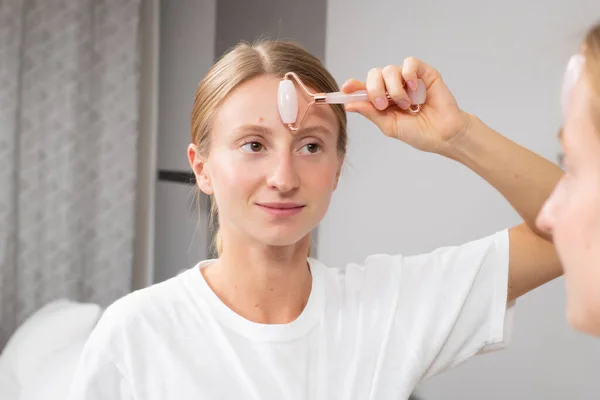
199	166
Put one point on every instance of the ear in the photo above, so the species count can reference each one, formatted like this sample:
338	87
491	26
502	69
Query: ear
200	169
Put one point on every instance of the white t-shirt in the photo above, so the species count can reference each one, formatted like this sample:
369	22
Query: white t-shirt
370	331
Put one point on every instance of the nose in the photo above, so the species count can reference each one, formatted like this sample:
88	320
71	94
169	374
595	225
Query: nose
545	219
284	176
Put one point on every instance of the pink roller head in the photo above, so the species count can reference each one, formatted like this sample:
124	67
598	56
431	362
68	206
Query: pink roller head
287	101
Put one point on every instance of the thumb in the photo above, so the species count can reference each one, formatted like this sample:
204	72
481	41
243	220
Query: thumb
352	85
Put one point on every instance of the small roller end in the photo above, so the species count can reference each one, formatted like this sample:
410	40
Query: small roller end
418	96
287	101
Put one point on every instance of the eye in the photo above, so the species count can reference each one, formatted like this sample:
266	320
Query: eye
253	147
312	148
560	158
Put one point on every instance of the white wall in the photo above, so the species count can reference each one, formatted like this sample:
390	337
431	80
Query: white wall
504	62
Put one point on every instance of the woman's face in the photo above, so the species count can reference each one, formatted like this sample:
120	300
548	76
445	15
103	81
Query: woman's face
272	186
572	213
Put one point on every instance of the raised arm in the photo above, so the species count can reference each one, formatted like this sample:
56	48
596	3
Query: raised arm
526	180
522	177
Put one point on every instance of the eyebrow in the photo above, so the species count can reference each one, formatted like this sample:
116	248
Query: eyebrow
313	129
251	128
560	134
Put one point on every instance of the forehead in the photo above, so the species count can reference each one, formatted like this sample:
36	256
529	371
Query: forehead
256	99
579	130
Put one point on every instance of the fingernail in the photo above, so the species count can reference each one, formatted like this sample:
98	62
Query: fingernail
403	104
380	103
412	85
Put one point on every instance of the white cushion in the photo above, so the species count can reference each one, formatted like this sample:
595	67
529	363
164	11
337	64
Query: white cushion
49	330
9	388
53	379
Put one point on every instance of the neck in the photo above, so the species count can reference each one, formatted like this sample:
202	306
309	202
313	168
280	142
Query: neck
264	284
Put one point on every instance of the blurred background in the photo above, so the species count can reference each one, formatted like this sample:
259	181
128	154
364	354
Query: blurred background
95	193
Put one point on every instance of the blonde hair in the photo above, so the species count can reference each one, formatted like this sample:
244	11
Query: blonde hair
591	52
240	64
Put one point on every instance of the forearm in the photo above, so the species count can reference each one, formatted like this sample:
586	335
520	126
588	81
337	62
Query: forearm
524	178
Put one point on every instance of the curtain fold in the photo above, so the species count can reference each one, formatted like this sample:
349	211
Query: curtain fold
69	95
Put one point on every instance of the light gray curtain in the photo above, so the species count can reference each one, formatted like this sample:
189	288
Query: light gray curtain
69	80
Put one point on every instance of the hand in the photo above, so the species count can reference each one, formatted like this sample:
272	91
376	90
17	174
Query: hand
431	129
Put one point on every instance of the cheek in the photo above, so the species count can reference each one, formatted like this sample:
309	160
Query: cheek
579	245
577	221
230	174
321	175
581	205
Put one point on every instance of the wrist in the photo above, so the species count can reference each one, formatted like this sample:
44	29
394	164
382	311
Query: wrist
458	145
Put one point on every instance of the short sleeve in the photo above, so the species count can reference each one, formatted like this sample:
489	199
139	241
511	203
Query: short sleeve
452	303
97	376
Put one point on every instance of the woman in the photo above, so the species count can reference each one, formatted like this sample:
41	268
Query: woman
572	213
263	321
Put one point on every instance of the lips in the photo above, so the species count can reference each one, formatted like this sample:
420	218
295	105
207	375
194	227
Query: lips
281	206
281	209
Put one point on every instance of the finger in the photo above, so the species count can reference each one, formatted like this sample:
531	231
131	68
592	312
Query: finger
394	84
413	69
376	89
352	85
409	72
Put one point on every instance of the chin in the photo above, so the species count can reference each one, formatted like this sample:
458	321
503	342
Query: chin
584	319
283	237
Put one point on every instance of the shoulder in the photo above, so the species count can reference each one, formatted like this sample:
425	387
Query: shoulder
145	319
143	309
143	302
